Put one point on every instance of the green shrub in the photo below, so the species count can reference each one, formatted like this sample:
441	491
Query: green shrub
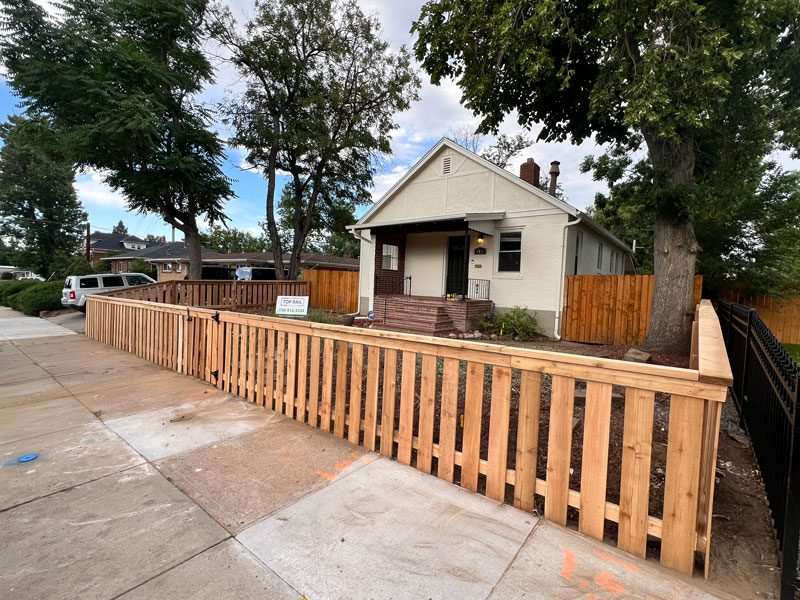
79	266
39	297
517	323
10	288
144	267
484	324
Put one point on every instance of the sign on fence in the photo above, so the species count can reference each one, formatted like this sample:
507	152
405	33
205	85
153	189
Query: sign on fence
292	305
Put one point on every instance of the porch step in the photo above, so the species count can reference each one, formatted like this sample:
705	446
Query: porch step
427	318
428	315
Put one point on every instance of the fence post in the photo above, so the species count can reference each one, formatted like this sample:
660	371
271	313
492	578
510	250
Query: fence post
234	294
791	523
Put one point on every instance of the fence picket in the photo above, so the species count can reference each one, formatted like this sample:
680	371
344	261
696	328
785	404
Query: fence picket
307	369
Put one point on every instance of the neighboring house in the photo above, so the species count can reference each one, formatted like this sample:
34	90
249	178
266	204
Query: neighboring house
457	226
101	244
17	273
172	262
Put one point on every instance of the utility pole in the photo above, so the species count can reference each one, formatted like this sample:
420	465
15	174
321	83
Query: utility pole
88	242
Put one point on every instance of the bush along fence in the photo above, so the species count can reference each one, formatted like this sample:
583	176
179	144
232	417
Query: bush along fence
226	295
610	309
564	434
765	389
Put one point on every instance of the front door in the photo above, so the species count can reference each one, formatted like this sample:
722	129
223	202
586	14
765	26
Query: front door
457	253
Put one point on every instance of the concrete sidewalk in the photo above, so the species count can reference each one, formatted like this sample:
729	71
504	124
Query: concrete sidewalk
149	484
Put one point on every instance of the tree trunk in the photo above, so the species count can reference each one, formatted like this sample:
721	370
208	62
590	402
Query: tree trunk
674	256
675	247
194	249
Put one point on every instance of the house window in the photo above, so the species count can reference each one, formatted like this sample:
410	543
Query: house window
390	257
446	165
599	257
510	252
578	249
167	268
178	267
614	262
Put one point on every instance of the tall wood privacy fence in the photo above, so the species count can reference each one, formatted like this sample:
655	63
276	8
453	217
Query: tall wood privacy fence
333	290
496	420
782	317
610	309
222	294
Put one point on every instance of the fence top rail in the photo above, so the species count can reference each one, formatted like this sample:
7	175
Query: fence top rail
713	364
676	380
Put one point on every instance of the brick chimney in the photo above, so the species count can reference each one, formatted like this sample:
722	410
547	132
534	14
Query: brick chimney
554	172
529	171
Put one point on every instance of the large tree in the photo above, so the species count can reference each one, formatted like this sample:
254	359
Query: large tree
120	227
39	209
322	89
661	69
119	80
225	239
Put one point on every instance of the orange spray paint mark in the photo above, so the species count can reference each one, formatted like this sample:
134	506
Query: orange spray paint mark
339	466
570	564
606	581
628	566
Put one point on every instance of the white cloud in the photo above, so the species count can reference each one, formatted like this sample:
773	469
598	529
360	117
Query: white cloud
92	191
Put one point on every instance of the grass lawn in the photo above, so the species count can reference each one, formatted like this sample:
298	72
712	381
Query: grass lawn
794	351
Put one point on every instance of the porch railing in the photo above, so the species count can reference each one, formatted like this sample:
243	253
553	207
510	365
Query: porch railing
486	417
478	289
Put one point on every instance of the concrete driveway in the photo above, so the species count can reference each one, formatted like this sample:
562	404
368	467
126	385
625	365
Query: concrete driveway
149	484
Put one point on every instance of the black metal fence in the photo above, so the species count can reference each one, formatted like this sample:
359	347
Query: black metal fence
765	389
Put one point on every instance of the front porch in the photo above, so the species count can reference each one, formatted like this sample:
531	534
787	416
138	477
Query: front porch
428	314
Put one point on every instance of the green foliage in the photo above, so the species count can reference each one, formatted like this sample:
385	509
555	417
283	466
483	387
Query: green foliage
9	288
664	70
794	351
79	266
220	238
119	79
320	111
120	228
44	295
515	324
39	209
142	266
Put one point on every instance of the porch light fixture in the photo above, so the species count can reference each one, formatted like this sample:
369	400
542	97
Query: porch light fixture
480	239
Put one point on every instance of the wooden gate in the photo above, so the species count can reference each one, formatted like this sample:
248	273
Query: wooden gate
610	309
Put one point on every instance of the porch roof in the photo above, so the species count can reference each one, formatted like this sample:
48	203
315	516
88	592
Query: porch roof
459	219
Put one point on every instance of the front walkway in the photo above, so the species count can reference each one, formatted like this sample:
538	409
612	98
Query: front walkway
149	484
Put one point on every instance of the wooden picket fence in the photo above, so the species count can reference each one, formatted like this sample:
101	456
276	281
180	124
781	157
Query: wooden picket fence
469	412
610	309
782	316
222	294
333	290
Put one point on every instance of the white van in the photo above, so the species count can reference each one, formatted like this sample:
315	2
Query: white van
76	287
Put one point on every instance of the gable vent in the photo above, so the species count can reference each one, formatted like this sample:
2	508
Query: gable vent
446	165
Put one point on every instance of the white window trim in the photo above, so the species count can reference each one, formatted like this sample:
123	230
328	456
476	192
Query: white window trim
166	268
600	256
509	274
393	255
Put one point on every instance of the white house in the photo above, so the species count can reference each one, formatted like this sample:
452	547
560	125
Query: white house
458	232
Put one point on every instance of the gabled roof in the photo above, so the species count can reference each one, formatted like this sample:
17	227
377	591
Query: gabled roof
113	241
165	250
363	222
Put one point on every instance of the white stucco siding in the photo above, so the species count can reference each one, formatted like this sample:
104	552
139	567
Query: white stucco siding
469	187
366	273
536	285
425	263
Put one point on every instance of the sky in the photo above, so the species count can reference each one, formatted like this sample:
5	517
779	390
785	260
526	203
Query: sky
437	112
